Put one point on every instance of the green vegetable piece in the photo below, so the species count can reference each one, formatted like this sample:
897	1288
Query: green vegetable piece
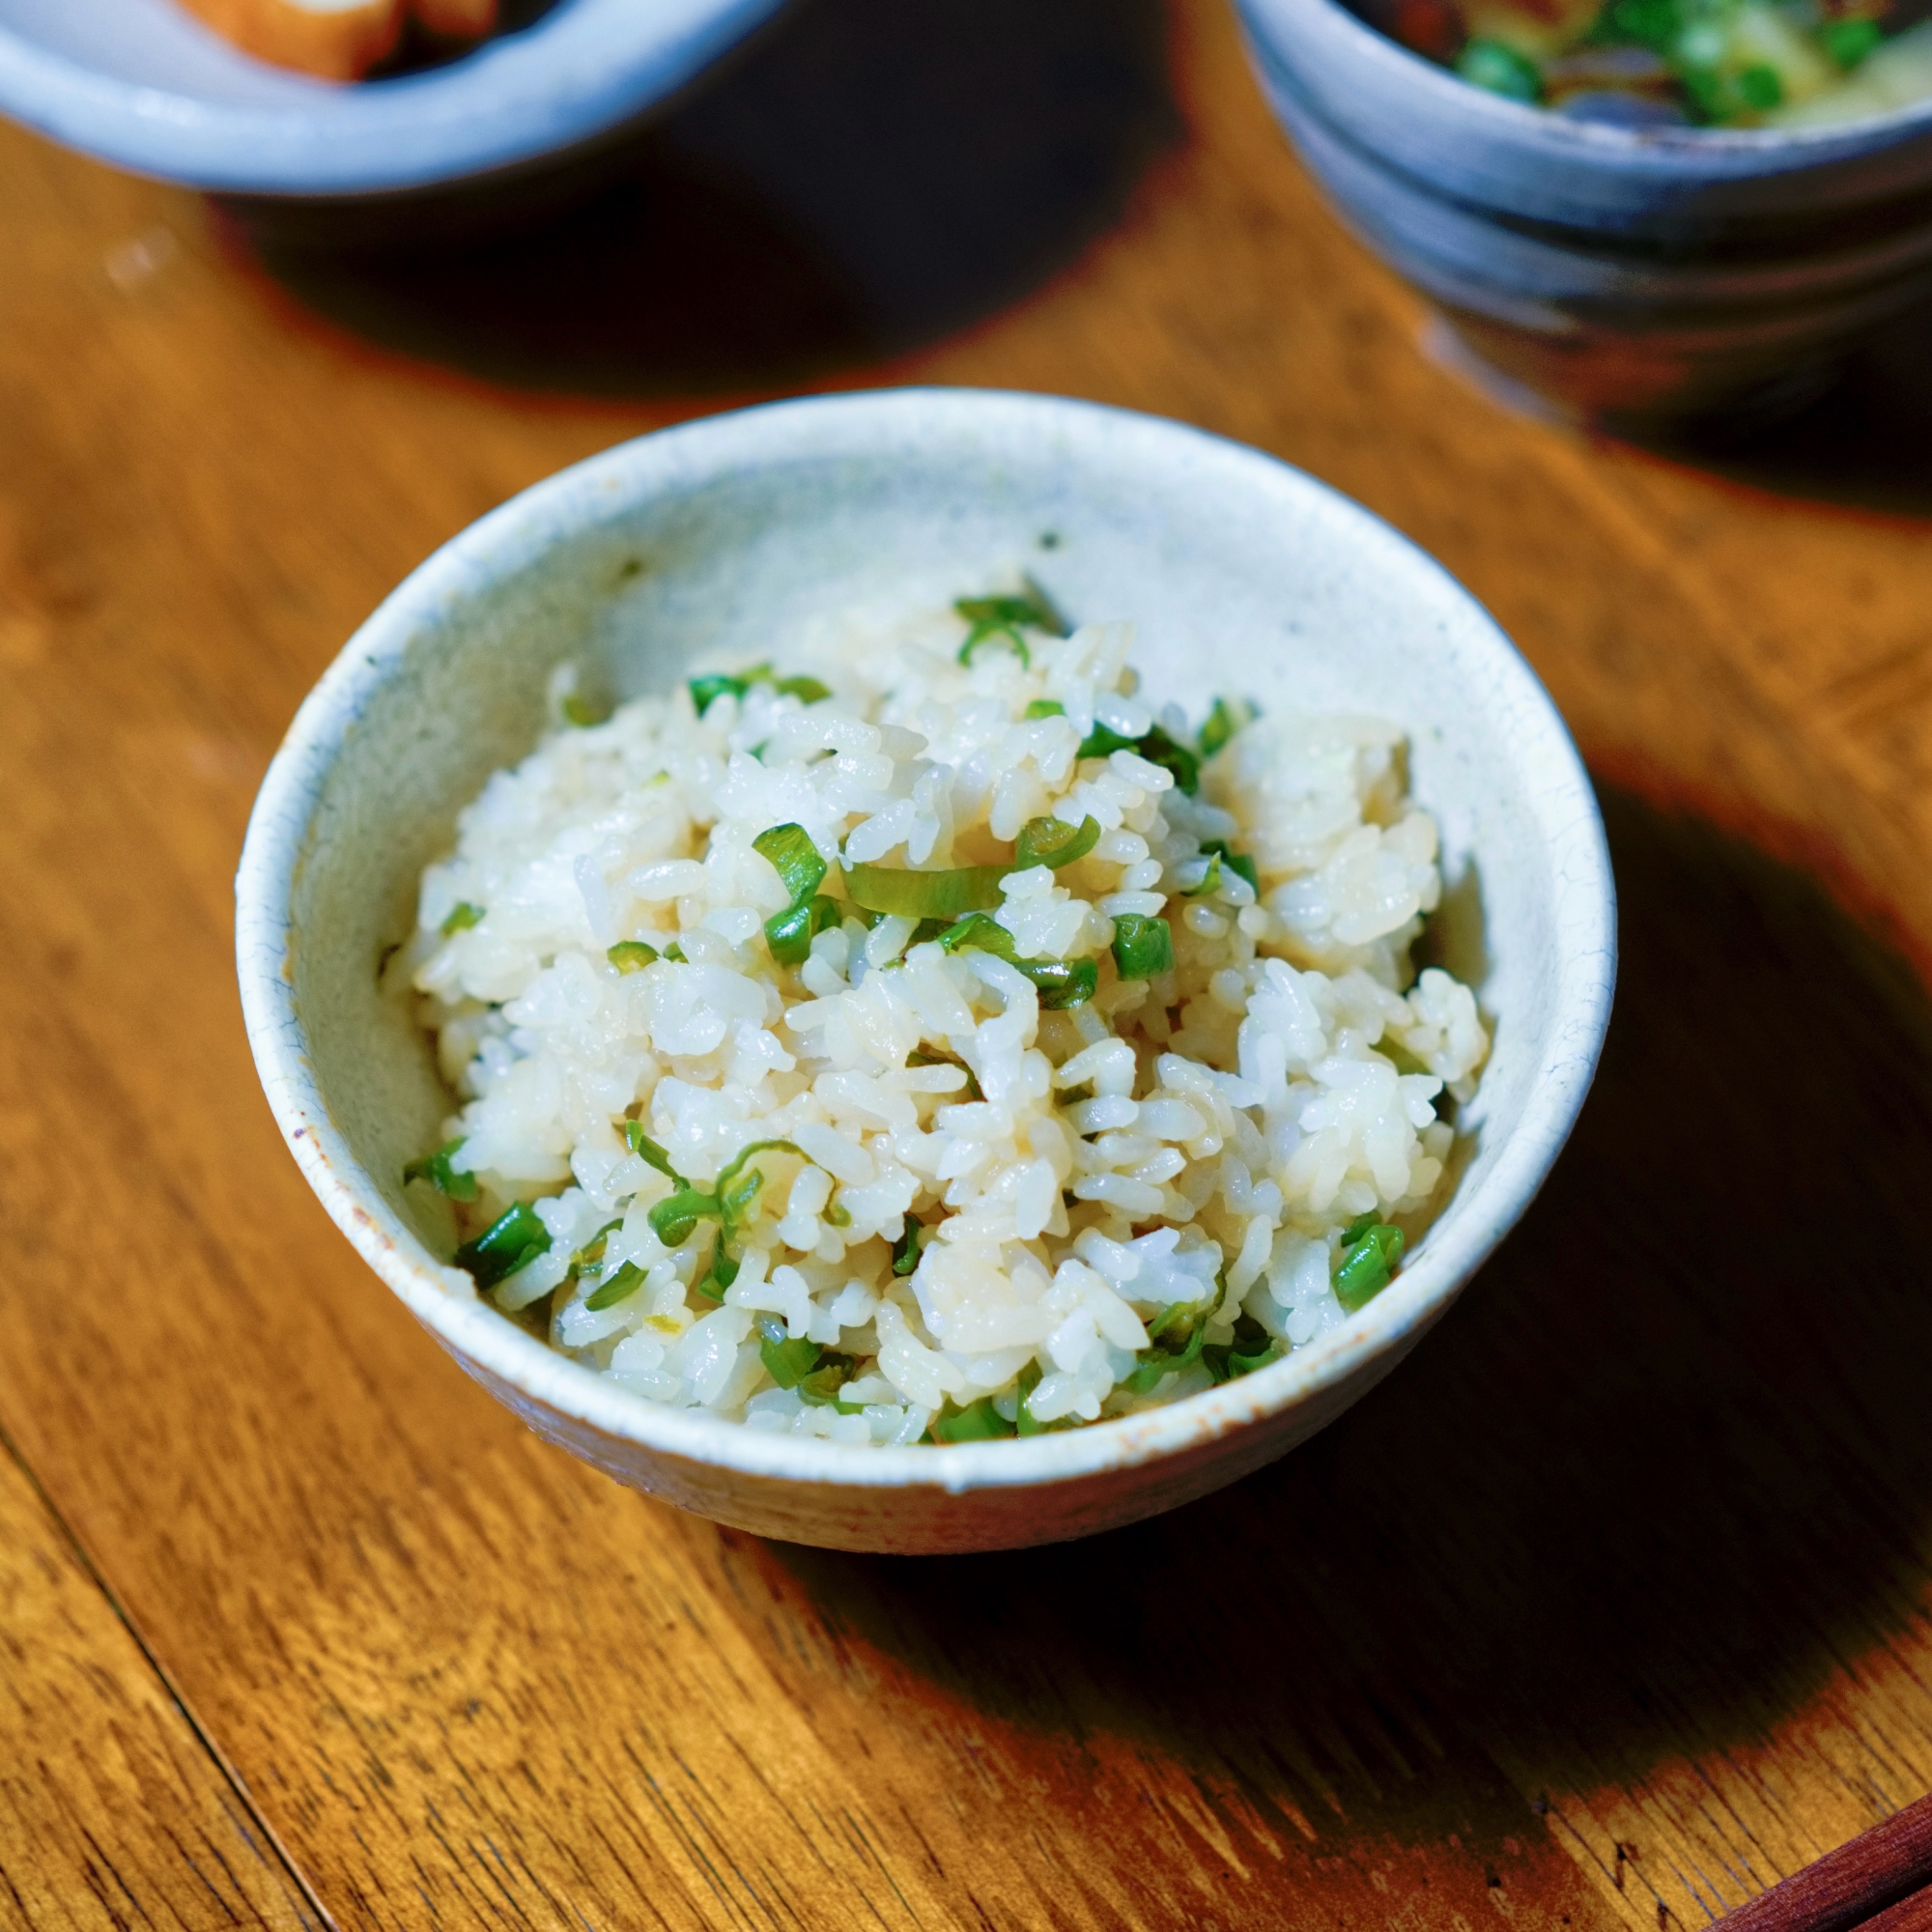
1359	1227
1220	725
1005	618
592	1251
581	712
631	955
1211	880
462	916
891	889
794	858
906	1249
982	933
511	1242
706	691
977	1422
1501	70
790	933
640	1143
1367	1262
674	953
457	1183
1046	707
1655	24
1158	749
1156	746
621	1285
1103	740
1053	842
1157	1361
720	1275
821	1387
1026	1422
1236	862
807	690
838	1215
1848	41
1252	1347
740	1200
1143	946
1061	984
1761	88
738	1162
786	1361
674	1219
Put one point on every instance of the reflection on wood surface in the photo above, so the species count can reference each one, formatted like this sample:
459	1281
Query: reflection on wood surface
1608	1607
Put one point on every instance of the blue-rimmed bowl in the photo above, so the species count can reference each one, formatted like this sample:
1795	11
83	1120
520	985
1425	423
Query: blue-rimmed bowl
144	85
1240	574
1642	276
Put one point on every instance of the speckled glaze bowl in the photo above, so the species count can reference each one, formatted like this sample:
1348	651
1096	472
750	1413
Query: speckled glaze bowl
1637	276
144	85
1241	574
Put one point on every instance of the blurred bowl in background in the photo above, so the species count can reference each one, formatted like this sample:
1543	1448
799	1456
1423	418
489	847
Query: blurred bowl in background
144	85
1639	277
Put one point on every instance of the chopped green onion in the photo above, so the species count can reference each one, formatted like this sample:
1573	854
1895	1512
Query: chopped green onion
1849	41
1003	616
581	712
1060	983
1251	1348
906	1249
1046	707
807	690
641	1144
1370	1251
891	888
592	1251
821	1387
1158	749
1762	88
706	691
786	1361
674	953
1103	741
1024	1419
1501	70
462	916
511	1242
736	1165
620	1287
838	1215
1237	862
1211	880
977	1422
1053	842
722	1273
674	1219
1220	725
457	1183
631	955
1156	746
793	857
790	933
1143	947
1157	1361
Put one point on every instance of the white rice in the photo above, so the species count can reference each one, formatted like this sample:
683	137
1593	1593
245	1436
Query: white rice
1203	1138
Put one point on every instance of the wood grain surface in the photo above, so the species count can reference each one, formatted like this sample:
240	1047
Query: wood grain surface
1609	1609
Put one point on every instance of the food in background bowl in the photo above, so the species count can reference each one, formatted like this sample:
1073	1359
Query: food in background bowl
1680	63
341	39
927	1040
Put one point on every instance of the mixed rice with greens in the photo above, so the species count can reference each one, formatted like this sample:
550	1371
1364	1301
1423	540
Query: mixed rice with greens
927	1040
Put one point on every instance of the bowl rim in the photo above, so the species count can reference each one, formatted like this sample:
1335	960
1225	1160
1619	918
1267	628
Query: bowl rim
513	101
1694	150
513	536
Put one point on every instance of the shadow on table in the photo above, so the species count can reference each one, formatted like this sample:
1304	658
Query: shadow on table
1669	1462
865	177
1865	443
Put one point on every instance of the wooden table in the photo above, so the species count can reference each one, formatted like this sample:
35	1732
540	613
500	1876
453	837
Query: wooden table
1610	1609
